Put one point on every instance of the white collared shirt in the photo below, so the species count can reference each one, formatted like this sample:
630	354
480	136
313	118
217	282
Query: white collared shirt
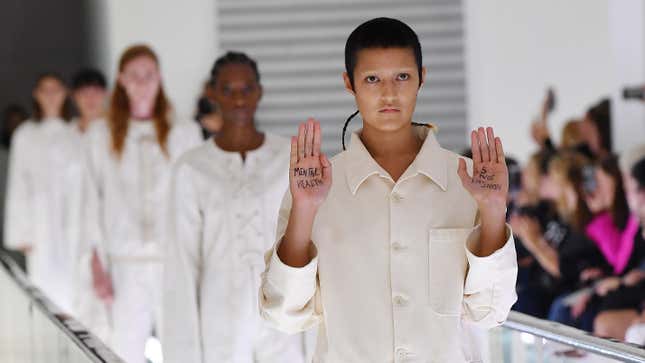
391	278
223	216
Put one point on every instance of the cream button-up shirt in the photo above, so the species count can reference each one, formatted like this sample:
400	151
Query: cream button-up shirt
392	278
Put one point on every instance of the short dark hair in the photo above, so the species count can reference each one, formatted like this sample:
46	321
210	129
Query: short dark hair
232	57
638	173
381	33
88	77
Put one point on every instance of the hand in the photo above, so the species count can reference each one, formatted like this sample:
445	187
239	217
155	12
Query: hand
310	170
101	280
528	229
580	305
489	183
633	277
26	249
590	273
606	285
539	132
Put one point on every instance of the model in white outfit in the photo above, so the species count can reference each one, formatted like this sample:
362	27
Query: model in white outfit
127	205
41	218
89	95
225	198
396	249
44	179
223	217
130	201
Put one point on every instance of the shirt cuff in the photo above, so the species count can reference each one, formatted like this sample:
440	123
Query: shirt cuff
484	270
293	281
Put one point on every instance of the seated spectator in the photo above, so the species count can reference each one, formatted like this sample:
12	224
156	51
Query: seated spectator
570	257
623	300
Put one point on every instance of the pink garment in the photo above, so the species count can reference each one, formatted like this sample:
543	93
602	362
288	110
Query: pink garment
615	245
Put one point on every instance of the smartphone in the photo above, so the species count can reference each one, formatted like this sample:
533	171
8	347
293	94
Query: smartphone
589	182
550	100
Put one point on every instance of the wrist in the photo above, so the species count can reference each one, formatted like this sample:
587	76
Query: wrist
492	211
304	208
536	245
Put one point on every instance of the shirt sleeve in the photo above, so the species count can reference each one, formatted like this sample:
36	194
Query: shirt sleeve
181	318
19	202
489	290
92	234
289	296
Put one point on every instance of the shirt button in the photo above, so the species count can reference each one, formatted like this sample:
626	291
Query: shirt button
401	354
397	197
399	300
396	246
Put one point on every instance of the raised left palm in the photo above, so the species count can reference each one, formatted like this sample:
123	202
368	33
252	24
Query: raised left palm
489	183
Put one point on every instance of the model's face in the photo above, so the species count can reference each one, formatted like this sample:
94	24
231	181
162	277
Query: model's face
50	94
386	84
90	101
606	187
237	93
549	188
141	80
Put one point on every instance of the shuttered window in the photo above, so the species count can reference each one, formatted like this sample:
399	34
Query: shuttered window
299	46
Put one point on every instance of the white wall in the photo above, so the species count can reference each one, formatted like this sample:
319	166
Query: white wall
627	32
183	34
515	49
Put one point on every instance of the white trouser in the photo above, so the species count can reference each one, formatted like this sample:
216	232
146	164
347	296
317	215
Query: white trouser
137	306
91	311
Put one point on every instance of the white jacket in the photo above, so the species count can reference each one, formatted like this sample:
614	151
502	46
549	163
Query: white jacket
392	277
43	204
223	217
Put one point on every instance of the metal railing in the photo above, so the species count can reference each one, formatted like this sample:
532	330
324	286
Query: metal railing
33	329
549	332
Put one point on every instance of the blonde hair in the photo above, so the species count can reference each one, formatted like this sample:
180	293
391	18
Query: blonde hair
571	135
566	171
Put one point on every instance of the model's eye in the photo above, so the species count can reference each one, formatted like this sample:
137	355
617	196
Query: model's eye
403	77
371	79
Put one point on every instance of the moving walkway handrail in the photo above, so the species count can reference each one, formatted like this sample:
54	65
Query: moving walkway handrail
98	352
95	350
575	338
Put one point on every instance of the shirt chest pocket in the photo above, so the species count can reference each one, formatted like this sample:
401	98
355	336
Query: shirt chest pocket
447	266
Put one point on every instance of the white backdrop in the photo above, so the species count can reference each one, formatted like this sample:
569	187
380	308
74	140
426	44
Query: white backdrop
516	49
183	34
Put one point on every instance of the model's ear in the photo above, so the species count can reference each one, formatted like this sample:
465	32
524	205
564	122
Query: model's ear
348	84
423	76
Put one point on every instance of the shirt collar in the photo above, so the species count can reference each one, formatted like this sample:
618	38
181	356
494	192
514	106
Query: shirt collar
430	161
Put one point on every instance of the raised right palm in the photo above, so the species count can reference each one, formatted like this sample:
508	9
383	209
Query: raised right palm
310	170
